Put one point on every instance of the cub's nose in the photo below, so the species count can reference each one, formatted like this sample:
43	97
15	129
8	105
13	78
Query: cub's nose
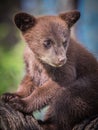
61	60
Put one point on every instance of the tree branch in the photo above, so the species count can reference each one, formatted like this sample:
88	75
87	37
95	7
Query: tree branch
15	120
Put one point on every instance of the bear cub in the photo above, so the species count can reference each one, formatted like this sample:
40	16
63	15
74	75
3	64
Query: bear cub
60	72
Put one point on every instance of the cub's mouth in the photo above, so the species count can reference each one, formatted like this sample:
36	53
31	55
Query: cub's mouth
54	63
57	64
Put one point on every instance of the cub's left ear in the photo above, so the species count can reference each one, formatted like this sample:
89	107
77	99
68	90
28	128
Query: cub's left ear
70	17
24	21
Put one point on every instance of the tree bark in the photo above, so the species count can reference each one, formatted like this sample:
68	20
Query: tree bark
15	120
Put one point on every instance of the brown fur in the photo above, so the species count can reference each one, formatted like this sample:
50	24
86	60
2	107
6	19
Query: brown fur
69	87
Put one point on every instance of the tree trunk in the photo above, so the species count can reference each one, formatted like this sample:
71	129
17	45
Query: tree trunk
15	120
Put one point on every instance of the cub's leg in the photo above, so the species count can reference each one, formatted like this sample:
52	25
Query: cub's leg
39	98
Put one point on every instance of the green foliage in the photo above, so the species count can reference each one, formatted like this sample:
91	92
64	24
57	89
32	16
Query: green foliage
4	30
11	68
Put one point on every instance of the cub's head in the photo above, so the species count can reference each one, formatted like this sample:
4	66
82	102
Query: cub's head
47	36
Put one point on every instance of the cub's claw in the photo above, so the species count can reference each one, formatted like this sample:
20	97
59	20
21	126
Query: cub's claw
7	97
21	105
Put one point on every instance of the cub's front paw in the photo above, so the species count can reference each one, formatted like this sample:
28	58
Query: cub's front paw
21	105
6	97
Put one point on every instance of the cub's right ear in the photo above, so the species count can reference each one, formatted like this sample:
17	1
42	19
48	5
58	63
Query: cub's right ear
24	21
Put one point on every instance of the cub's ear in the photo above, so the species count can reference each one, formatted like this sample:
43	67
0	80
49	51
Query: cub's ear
70	17
24	21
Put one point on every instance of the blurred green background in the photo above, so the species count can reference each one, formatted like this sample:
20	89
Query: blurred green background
11	45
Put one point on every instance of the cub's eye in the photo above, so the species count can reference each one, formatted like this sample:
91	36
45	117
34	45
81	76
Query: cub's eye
47	43
65	43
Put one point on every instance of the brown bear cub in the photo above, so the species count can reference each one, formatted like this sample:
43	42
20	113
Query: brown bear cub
60	72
